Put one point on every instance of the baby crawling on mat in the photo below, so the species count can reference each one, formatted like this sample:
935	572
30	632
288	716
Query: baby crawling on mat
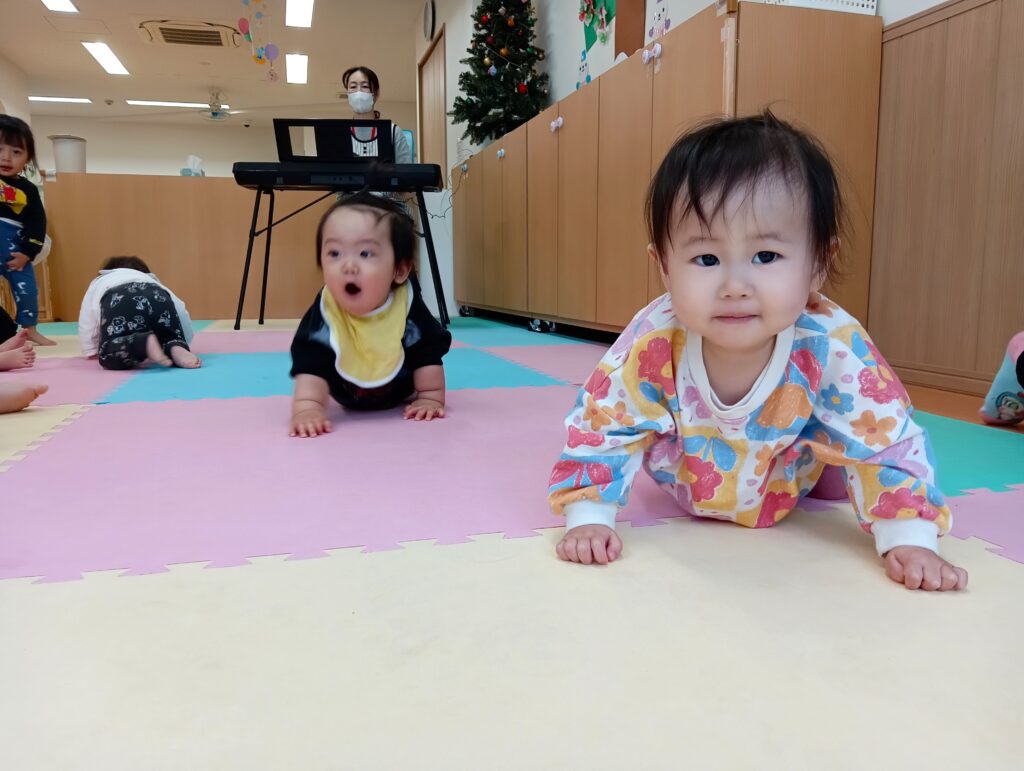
368	340
743	389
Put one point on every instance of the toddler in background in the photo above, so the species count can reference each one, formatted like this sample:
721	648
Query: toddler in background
743	387
128	318
22	223
368	339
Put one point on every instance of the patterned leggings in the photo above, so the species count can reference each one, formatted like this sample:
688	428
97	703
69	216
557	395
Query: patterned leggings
25	291
129	314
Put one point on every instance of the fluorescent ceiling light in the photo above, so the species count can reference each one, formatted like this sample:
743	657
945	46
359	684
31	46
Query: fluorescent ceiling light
296	65
72	99
63	6
108	60
152	103
299	13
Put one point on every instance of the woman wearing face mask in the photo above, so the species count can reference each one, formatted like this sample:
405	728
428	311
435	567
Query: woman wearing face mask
363	89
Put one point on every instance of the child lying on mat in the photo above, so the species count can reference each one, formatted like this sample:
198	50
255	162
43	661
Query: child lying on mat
742	385
368	339
128	318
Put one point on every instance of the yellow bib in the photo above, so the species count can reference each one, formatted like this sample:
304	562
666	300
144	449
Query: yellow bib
369	348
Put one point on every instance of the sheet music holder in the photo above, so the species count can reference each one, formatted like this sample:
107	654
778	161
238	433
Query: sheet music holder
334	140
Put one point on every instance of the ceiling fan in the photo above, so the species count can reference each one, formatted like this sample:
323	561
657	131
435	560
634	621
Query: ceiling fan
215	110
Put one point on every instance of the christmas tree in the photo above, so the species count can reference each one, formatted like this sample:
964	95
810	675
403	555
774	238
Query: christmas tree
502	88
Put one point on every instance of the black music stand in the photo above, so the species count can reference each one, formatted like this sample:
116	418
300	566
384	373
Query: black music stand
334	137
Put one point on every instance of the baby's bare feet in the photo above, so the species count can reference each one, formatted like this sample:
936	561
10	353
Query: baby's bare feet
184	358
155	354
15	342
36	337
17	397
18	358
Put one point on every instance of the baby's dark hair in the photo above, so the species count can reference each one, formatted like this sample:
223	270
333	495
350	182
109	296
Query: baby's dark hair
712	161
15	131
403	235
134	263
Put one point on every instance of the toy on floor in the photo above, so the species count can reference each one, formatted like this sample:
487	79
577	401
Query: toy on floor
1004	405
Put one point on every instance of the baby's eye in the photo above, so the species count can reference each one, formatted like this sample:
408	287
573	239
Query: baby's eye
366	253
333	253
766	258
705	260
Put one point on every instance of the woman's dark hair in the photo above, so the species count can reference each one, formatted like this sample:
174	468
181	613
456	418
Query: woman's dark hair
706	165
15	131
370	76
403	235
134	263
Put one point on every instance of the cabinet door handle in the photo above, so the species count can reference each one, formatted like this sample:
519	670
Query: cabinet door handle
501	153
557	123
656	53
645	57
464	167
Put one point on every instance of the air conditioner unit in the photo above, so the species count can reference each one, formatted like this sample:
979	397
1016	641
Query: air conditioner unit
190	33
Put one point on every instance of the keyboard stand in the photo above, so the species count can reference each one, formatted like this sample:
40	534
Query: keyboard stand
442	307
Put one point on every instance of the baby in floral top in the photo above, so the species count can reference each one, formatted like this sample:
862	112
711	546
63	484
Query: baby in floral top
742	389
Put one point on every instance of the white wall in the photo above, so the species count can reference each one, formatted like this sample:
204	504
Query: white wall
13	91
894	10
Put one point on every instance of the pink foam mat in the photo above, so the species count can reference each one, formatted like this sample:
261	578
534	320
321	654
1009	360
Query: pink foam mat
72	380
995	517
571	363
241	342
146	485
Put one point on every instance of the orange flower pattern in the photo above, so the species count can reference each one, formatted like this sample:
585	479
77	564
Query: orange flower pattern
838	403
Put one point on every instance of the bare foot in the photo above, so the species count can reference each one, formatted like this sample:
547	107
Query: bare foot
17	397
184	358
14	342
17	359
38	338
155	353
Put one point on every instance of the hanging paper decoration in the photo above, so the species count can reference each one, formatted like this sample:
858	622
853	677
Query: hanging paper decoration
251	27
596	17
661	23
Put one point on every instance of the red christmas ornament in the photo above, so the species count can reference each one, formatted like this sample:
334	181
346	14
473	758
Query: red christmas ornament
490	40
521	88
485	18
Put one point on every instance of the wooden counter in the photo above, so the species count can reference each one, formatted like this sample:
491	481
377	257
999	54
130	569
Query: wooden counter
192	231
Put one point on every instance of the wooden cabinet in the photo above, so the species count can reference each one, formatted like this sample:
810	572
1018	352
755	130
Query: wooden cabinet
623	176
949	237
542	213
582	257
467	230
577	205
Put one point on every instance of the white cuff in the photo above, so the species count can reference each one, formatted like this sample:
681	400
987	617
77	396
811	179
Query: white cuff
580	513
890	533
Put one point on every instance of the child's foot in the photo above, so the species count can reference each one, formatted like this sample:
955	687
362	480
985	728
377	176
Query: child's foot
155	354
182	357
14	342
18	358
17	397
36	337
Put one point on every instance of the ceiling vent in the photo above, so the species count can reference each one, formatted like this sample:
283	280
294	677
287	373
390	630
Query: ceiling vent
190	33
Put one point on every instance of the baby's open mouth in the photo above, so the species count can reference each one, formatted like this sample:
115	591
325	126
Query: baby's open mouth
352	289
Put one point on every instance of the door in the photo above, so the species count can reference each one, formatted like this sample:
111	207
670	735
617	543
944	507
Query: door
542	213
433	138
623	176
577	204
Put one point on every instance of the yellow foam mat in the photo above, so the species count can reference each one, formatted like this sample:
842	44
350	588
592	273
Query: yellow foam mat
707	646
21	432
269	325
67	345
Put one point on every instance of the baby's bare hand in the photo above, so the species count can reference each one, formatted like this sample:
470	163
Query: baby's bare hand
589	543
310	422
424	409
918	568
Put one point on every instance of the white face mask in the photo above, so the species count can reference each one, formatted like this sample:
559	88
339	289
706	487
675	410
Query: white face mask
360	101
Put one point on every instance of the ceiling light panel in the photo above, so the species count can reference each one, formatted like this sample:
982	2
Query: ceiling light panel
296	66
108	60
299	13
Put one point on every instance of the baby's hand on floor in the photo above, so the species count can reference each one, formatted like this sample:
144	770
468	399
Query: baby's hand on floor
310	422
918	568
589	543
424	409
